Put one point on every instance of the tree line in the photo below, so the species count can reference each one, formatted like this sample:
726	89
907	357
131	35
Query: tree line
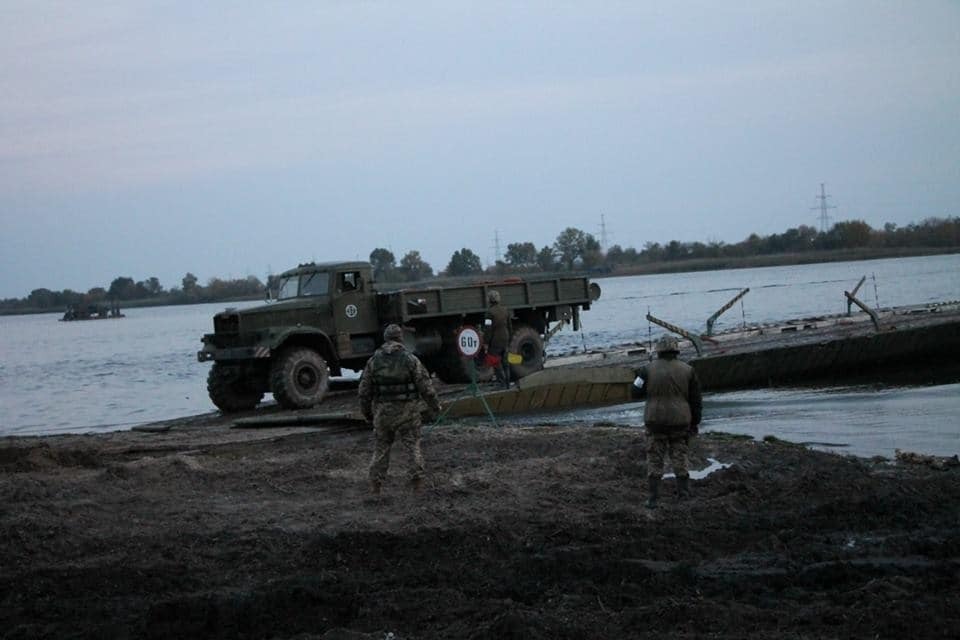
576	250
148	292
572	250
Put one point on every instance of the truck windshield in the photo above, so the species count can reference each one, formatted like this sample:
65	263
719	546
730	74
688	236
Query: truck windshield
307	284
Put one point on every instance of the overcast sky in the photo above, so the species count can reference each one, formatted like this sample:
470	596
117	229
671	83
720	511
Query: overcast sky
233	138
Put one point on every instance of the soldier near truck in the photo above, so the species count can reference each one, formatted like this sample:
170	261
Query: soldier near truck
392	385
329	317
498	337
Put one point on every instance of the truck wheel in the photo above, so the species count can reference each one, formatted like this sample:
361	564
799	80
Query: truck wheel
299	378
229	391
527	342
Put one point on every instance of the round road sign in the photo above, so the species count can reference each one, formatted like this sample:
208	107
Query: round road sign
468	341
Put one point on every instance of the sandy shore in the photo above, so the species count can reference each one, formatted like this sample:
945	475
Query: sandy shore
534	532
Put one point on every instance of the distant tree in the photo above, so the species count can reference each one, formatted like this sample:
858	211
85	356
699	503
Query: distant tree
151	286
189	283
122	288
676	250
41	298
752	245
547	259
615	256
573	246
712	249
521	255
464	263
384	264
569	246
941	232
218	289
97	294
591	254
413	267
652	252
848	235
801	238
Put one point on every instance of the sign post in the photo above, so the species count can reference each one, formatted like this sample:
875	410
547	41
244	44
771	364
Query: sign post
468	344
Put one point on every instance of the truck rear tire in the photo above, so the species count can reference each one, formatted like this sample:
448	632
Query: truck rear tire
299	378
229	391
527	342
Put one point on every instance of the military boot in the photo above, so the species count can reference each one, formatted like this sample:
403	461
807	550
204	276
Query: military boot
417	485
683	487
654	486
375	487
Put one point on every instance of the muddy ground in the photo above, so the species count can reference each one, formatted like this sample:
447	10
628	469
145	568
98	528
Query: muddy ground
534	532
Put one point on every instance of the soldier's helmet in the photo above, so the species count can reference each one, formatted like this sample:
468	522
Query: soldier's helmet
493	297
668	344
393	332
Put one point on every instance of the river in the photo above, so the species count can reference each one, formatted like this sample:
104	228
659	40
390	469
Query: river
77	377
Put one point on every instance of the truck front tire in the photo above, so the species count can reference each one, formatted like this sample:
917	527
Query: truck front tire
299	378
526	342
229	390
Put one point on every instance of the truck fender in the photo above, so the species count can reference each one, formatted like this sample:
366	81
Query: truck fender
313	338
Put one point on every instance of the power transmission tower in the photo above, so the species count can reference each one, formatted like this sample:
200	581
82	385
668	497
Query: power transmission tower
603	232
824	218
496	246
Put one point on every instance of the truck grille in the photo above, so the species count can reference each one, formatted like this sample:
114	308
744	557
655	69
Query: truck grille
226	323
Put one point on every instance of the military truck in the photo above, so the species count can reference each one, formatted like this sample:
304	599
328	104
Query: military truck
329	317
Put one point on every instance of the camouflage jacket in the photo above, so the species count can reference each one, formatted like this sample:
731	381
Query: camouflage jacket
674	401
392	385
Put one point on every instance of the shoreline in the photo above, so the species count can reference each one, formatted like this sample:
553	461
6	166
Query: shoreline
676	266
342	402
776	260
531	532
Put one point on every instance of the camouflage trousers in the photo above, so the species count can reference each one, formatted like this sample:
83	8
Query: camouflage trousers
660	447
384	433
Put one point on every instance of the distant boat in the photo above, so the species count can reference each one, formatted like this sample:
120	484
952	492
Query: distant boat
92	312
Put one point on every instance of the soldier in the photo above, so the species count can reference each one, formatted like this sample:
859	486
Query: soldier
671	415
391	386
498	337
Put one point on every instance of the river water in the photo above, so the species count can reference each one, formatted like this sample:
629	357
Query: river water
76	377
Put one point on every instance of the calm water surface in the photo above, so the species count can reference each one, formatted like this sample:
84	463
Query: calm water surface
70	377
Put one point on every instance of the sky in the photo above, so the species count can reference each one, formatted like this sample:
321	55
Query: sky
227	139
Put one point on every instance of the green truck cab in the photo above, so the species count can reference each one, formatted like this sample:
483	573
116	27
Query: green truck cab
328	317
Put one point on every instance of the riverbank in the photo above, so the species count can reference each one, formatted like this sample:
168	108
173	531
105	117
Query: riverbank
534	532
779	260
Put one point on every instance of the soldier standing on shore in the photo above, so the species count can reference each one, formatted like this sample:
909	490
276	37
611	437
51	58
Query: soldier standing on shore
671	415
391	387
498	337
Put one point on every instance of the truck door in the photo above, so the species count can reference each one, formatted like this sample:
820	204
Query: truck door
354	312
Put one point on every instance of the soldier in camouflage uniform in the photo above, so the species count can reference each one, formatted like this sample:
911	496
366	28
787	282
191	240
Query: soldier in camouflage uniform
391	387
671	416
